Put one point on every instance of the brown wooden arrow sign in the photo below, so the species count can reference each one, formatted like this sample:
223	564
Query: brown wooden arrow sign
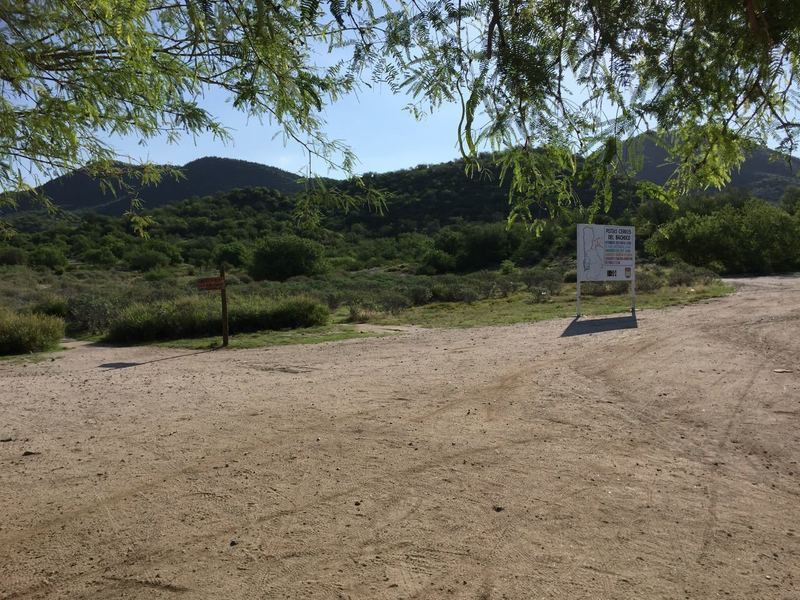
211	283
218	283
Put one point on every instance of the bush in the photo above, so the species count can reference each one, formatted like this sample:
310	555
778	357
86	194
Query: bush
683	274
420	294
234	254
51	257
24	333
159	274
605	288
438	261
199	316
102	257
471	248
394	301
293	313
90	314
361	314
484	246
540	280
448	290
750	237
144	259
649	281
507	267
52	306
10	255
84	314
281	257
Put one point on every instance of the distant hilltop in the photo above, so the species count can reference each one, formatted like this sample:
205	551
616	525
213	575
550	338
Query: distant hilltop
764	174
206	176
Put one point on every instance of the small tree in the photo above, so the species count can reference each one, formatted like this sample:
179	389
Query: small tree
234	254
144	259
281	257
48	256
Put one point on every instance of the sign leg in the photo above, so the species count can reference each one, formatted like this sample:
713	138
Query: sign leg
224	293
578	298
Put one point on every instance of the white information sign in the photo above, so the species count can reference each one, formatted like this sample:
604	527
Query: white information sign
606	253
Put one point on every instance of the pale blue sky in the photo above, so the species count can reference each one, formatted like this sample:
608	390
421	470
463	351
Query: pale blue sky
373	123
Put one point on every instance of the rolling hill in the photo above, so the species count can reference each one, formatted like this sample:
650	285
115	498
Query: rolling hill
207	176
441	188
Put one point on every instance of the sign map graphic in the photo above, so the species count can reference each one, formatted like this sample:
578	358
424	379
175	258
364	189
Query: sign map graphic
606	252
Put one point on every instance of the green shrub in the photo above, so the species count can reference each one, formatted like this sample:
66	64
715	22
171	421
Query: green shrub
52	306
24	333
749	237
48	256
279	258
9	255
503	287
234	254
143	259
438	261
420	294
453	291
361	314
199	316
90	313
159	274
605	288
293	313
83	314
393	300
171	251
507	267
484	246
649	281
683	274
102	257
540	279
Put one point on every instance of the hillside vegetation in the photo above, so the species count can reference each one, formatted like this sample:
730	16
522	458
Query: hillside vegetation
765	174
442	239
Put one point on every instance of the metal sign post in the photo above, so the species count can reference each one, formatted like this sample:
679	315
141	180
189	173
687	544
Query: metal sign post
218	283
606	253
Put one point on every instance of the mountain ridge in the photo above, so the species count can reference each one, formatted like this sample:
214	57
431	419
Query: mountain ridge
760	174
205	176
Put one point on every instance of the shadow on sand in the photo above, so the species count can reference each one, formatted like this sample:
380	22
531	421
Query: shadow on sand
581	326
127	365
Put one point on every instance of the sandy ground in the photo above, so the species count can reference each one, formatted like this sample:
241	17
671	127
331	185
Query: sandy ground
507	462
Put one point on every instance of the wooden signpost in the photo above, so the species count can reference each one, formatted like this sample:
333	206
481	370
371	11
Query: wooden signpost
218	283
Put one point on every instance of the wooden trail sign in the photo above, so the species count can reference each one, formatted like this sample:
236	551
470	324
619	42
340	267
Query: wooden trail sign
218	283
211	283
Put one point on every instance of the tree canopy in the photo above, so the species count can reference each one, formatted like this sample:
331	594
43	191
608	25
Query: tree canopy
556	87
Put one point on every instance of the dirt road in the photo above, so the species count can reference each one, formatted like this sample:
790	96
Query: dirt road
508	462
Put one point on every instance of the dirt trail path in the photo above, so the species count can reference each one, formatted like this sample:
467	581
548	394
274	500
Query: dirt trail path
508	462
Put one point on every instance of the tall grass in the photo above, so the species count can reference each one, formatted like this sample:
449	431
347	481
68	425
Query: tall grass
199	316
24	333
